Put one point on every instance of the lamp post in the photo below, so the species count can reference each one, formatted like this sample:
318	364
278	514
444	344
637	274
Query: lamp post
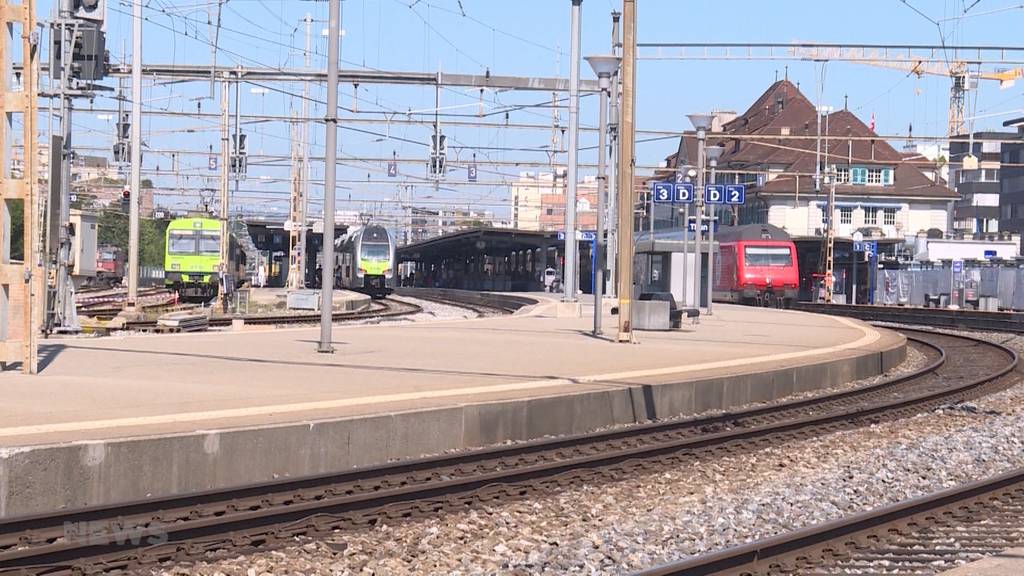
604	67
570	274
713	153
688	173
701	123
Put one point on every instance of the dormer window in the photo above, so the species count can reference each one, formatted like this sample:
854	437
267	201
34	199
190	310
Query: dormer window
871	176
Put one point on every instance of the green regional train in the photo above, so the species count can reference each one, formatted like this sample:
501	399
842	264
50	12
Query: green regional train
192	256
366	261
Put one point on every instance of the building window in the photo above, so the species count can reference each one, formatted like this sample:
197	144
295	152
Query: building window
870	216
859	175
846	215
874	175
889	217
550	211
842	175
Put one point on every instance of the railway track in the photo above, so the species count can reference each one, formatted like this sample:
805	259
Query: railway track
271	514
981	320
925	535
378	309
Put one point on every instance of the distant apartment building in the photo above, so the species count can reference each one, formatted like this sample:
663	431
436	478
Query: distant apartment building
426	223
538	202
95	180
878	190
1011	181
974	172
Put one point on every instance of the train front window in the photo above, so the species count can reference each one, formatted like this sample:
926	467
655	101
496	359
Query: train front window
183	242
768	256
209	243
374	251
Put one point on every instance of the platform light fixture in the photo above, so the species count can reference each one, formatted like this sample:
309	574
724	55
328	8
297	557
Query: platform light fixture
603	66
701	122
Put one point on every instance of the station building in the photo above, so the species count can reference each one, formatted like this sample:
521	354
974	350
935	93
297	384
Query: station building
876	187
771	148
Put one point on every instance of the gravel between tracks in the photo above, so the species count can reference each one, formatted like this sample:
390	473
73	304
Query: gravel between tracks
669	514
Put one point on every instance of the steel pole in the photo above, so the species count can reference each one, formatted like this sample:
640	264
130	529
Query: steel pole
601	187
136	156
570	274
225	171
612	246
711	241
305	174
627	139
330	179
698	216
686	256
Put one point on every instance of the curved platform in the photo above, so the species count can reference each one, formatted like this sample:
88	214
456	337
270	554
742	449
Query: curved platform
119	419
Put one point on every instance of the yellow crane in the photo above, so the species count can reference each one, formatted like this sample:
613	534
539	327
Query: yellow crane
961	77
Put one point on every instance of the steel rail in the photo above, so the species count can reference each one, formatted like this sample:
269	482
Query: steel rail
980	320
247	514
748	558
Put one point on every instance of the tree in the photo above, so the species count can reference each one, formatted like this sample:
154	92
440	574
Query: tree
16	208
113	230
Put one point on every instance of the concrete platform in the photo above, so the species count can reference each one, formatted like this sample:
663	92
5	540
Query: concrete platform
276	298
131	417
1006	563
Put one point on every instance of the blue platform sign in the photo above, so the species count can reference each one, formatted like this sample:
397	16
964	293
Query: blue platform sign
392	169
684	192
991	254
958	266
471	173
663	191
735	193
714	193
584	235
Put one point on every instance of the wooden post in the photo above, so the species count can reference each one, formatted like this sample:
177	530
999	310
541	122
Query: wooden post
20	282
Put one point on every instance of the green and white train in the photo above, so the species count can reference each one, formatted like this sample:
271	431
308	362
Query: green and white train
366	261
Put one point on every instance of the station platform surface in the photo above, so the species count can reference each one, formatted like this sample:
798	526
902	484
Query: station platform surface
122	418
1007	563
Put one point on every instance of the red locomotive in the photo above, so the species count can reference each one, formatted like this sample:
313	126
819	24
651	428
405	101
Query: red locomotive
756	265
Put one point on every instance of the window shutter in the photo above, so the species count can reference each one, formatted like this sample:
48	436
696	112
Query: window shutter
887	176
860	175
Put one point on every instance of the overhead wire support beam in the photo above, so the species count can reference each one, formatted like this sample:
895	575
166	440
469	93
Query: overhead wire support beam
914	53
258	74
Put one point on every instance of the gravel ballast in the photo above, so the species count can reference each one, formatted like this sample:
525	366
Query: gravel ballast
649	519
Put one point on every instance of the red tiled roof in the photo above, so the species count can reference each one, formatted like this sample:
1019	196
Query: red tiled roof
783	111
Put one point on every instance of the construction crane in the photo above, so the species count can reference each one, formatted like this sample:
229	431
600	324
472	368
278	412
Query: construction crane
962	80
958	71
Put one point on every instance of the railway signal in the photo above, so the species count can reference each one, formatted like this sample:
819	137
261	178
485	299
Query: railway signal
239	156
438	155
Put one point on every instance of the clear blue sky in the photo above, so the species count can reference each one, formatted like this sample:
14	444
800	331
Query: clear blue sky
531	37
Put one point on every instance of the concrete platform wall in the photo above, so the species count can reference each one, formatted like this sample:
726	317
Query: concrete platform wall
43	478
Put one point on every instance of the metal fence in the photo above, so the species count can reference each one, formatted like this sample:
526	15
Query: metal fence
983	287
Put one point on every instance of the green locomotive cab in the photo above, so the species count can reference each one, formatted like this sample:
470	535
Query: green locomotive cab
192	257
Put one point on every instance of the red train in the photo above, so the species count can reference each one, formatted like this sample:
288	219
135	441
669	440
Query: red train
756	265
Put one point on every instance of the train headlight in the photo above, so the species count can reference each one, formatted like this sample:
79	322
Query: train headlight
388	273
